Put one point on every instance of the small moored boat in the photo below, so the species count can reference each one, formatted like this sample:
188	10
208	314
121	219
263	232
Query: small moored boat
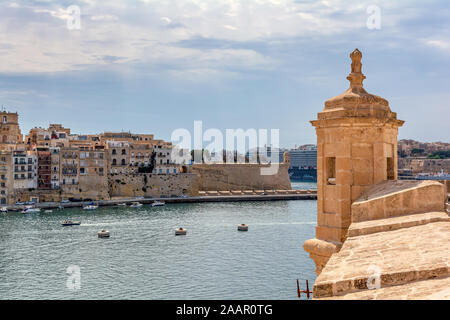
157	204
31	210
103	234
4	209
90	206
136	205
67	223
180	232
121	204
242	227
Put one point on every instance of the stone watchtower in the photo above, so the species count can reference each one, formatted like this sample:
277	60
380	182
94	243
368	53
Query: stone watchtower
356	148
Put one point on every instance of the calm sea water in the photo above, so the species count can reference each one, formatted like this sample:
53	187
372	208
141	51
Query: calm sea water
143	259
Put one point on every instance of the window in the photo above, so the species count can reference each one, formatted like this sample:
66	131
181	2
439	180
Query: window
331	170
124	151
123	162
114	162
174	170
390	168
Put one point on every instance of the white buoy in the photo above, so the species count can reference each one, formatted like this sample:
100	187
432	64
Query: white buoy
243	227
103	234
180	232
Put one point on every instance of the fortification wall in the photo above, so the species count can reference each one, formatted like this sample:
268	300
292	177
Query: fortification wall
28	194
152	185
240	176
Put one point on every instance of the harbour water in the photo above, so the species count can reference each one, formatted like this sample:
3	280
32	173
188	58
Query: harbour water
143	259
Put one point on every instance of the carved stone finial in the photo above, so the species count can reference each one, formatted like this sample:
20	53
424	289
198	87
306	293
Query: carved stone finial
356	56
356	77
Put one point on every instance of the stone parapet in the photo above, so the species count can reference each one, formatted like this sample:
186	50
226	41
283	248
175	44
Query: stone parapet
396	198
396	258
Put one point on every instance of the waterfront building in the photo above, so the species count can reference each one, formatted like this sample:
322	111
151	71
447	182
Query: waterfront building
44	168
92	161
69	167
25	170
118	156
55	168
163	162
53	136
5	176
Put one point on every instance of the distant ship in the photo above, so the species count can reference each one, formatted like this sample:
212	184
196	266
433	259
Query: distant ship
303	174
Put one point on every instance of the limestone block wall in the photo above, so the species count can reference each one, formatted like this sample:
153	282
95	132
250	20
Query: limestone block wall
240	176
43	195
93	186
152	185
397	198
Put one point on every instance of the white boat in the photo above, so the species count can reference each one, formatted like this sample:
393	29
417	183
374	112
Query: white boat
31	210
136	205
4	209
90	207
242	227
103	234
121	204
180	232
157	204
48	211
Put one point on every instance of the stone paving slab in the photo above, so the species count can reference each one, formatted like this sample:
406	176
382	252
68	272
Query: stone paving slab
395	223
432	289
400	256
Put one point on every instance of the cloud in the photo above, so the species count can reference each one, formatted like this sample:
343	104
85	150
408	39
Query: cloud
104	17
164	32
438	43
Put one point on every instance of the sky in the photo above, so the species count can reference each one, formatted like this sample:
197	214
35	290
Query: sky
155	66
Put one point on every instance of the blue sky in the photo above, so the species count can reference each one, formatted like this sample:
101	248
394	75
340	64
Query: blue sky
155	66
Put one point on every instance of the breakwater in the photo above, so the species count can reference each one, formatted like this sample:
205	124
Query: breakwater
288	195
